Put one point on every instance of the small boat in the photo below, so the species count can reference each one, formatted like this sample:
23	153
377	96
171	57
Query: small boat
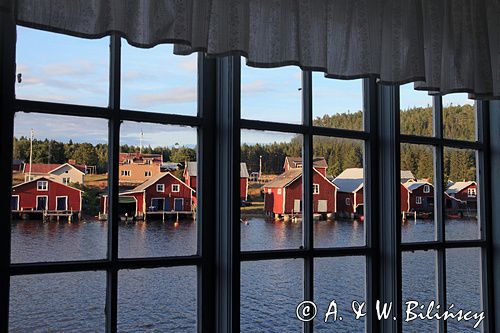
454	216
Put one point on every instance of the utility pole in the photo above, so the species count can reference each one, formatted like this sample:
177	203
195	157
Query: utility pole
32	133
140	142
260	166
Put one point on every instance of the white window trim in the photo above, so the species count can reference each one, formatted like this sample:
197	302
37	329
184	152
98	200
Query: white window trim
348	201
177	186
38	183
279	191
427	189
418	200
126	173
159	198
46	201
66	182
147	173
62	196
162	188
315	188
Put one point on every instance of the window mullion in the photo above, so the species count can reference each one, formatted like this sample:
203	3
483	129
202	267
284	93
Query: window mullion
307	196
437	110
113	158
7	77
389	207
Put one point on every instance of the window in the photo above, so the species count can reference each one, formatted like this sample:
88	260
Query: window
42	185
314	249
471	192
147	173
279	191
427	189
66	180
418	200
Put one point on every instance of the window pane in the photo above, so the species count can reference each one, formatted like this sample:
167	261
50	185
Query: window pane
459	117
419	285
417	193
55	199
341	280
270	293
158	81
155	188
157	300
60	68
463	286
271	207
338	208
272	94
462	191
416	111
63	302
337	103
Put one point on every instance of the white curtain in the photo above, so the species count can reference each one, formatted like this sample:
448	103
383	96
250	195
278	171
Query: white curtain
444	45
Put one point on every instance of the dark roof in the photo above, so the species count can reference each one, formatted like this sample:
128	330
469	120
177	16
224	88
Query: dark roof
318	162
192	169
284	179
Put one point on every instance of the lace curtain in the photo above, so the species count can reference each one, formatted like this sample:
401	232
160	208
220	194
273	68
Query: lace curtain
443	45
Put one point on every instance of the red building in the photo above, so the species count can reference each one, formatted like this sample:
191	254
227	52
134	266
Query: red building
164	193
465	192
191	173
319	163
283	195
419	197
43	194
350	192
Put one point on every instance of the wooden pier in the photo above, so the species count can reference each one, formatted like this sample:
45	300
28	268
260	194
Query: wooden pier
47	215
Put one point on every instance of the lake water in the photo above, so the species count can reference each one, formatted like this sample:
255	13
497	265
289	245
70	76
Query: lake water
164	300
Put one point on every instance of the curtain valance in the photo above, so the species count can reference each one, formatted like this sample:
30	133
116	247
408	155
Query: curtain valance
444	45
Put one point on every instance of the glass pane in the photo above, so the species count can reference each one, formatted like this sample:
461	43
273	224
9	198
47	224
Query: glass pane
55	199
58	68
157	201
342	281
416	111
463	287
63	302
157	300
271	196
338	196
419	285
155	80
459	117
337	103
462	190
271	94
417	193
270	293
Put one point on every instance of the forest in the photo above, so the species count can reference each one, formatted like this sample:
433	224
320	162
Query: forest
458	123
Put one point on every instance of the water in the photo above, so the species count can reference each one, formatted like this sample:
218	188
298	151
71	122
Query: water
164	300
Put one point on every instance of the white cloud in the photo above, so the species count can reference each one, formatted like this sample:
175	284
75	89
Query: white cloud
190	65
79	67
171	96
254	87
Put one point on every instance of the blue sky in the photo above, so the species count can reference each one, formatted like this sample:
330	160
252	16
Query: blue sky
65	69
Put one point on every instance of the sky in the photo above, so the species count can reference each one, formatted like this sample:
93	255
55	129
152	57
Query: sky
59	68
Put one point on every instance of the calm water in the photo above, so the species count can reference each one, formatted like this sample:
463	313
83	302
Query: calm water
164	300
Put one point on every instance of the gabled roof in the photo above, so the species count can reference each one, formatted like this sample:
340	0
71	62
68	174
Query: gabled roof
192	169
350	180
40	167
47	179
459	186
151	181
288	177
407	174
74	166
411	186
296	162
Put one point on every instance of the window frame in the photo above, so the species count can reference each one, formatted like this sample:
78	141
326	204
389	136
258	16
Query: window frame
160	188
178	186
42	185
377	100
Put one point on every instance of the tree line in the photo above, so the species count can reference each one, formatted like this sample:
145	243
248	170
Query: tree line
339	153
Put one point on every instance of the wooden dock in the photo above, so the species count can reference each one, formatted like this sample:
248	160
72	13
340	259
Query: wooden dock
47	215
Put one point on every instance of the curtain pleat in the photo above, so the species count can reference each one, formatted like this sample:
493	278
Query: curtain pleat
443	46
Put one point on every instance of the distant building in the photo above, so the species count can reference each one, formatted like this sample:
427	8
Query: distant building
163	193
67	173
319	163
419	198
283	195
191	173
465	191
136	168
350	196
406	176
42	194
17	165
